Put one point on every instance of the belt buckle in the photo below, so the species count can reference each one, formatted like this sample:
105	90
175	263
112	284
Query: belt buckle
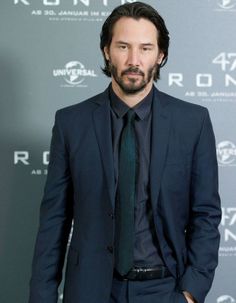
138	273
124	278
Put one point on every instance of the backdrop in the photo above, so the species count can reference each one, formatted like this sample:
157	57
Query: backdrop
50	58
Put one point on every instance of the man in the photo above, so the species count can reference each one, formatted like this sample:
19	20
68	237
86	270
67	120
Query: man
136	171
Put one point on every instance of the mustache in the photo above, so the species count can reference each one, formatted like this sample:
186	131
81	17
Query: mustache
131	69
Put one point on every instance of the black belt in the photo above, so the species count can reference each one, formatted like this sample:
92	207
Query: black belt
144	273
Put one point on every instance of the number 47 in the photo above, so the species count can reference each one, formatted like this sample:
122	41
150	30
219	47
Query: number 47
225	59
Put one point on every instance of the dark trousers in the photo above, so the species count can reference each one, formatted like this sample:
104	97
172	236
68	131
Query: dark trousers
163	290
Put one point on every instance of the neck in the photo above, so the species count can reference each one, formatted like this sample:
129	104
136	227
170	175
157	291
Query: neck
131	99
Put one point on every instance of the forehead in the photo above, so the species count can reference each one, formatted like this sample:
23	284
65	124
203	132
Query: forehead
135	30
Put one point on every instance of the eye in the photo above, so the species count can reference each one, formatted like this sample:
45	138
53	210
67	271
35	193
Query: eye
122	47
146	48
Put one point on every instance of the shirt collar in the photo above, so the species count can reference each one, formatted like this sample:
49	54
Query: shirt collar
142	109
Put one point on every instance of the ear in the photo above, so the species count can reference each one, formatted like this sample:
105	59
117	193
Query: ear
160	58
106	52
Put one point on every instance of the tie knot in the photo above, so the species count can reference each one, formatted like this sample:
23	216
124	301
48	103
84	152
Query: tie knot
130	115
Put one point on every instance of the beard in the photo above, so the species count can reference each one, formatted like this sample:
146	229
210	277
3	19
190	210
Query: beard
133	85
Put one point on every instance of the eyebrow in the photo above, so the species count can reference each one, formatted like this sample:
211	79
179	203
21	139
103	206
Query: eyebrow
126	43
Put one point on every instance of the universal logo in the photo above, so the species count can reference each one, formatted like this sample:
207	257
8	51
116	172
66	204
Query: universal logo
225	299
74	74
227	5
226	153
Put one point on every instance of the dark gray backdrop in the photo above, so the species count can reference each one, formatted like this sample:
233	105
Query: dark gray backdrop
50	58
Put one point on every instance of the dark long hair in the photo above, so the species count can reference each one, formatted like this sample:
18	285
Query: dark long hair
135	10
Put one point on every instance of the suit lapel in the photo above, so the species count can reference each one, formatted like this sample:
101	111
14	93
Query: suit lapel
159	143
102	125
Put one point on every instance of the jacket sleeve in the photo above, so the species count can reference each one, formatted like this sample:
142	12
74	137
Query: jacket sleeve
202	234
55	223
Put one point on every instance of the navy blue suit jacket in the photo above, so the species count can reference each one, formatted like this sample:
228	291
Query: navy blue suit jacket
80	187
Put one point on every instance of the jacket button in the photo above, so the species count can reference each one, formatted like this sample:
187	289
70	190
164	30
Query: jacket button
110	249
111	215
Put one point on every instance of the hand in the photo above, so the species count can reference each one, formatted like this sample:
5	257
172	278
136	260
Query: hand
188	297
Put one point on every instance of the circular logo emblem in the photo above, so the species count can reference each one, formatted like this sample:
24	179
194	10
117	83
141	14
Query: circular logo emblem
225	299
226	152
226	4
75	71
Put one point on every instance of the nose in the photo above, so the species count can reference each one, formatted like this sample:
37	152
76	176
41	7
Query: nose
133	57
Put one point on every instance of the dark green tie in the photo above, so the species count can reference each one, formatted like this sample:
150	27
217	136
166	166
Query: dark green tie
124	244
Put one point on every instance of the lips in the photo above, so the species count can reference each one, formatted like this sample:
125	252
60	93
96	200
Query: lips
133	72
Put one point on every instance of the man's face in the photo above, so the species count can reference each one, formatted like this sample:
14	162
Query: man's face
133	54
